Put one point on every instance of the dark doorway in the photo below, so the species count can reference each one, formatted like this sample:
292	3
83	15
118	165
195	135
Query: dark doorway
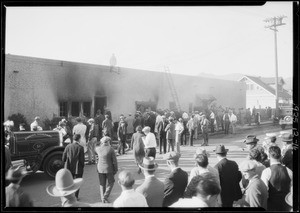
100	103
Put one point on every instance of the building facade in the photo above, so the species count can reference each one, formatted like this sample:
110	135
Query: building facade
51	88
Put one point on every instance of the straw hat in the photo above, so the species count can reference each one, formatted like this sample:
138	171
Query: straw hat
148	164
64	184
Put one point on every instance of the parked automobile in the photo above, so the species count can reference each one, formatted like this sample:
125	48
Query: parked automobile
39	150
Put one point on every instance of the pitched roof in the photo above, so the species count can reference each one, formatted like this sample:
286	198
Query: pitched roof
283	94
272	80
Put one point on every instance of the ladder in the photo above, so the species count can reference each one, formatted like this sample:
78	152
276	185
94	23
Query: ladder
172	88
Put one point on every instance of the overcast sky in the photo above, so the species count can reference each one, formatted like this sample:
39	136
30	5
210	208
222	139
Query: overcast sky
190	40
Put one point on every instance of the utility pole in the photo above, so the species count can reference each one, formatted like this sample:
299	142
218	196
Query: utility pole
275	22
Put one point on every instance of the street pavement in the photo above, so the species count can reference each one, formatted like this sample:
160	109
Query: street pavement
36	184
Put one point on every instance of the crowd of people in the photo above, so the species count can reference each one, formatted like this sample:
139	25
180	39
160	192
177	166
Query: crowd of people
264	179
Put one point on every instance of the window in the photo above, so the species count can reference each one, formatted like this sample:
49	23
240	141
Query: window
75	108
87	109
63	109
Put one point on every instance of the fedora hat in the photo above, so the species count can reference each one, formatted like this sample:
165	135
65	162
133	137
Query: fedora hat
16	173
220	149
148	164
287	137
251	139
64	184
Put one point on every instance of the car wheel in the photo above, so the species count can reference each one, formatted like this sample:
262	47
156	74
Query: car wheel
52	164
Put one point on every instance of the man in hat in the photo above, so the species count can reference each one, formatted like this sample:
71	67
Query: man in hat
92	139
65	187
256	193
149	142
80	129
191	125
230	176
170	134
152	188
161	134
122	135
129	197
204	128
226	121
278	179
73	158
35	125
107	167
129	121
14	195
176	182
287	150
251	143
98	123
205	189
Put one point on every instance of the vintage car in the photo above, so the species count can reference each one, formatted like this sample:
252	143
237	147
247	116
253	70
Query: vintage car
285	116
40	150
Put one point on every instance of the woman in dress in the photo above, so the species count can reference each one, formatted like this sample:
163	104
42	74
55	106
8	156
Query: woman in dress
138	147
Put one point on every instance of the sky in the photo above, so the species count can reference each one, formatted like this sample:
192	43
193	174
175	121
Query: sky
189	40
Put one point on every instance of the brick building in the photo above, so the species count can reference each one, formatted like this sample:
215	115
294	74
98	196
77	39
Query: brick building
49	88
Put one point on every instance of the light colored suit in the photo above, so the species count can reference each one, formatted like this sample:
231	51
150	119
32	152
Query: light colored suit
153	190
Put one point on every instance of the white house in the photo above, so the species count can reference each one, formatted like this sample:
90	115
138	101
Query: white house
261	92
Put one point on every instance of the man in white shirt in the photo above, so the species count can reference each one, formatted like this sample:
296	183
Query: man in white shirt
206	189
233	120
34	126
149	142
80	129
278	179
129	197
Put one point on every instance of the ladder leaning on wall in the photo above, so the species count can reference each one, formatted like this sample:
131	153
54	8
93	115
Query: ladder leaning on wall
172	88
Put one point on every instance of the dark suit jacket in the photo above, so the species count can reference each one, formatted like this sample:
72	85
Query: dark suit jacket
175	185
170	131
107	161
153	190
161	128
230	177
73	157
287	158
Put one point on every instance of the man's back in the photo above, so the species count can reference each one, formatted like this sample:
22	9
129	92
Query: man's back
174	186
107	161
153	190
73	157
230	177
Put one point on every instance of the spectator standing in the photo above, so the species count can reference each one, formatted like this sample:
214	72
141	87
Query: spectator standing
233	121
204	128
179	128
107	126
212	118
184	133
176	181
251	143
161	135
191	128
62	132
65	187
98	123
170	134
80	129
122	135
256	193
129	197
149	142
226	120
35	125
130	129
73	158
138	147
107	167
230	176
151	188
278	179
205	190
92	140
287	150
14	194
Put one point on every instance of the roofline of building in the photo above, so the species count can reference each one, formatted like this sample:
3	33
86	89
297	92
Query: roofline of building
257	84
